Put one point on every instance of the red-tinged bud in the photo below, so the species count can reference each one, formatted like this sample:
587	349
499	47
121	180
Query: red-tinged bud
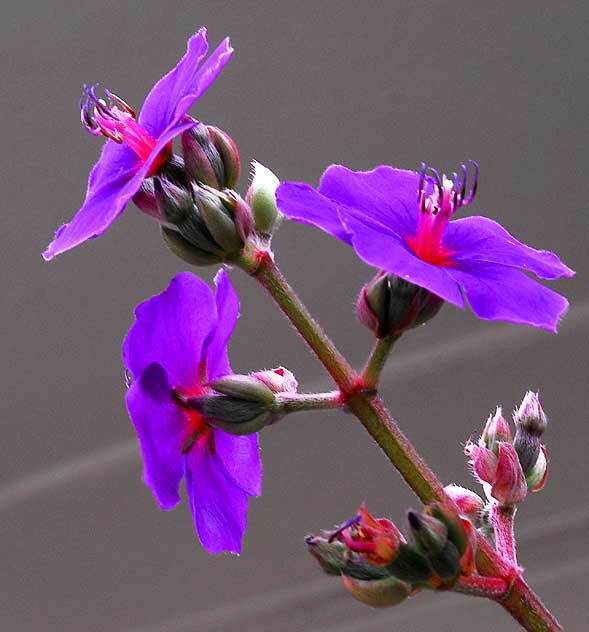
389	305
279	380
482	461
496	429
146	201
536	479
468	502
210	156
509	485
378	593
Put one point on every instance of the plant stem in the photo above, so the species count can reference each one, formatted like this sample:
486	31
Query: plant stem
377	360
477	586
520	602
293	402
502	519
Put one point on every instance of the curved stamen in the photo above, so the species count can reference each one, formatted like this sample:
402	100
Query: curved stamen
475	181
343	527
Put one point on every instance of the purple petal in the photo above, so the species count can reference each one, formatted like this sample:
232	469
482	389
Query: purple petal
498	292
386	195
172	329
227	303
301	203
386	251
482	239
239	458
218	506
173	95
159	423
115	179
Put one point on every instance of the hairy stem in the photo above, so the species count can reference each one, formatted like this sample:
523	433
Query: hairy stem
477	586
377	360
502	520
293	402
520	602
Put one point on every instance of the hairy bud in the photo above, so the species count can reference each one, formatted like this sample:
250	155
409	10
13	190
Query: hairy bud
261	196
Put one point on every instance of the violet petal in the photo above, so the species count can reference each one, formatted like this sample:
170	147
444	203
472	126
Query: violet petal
302	203
482	239
227	303
218	506
171	97
159	423
387	252
239	458
386	195
172	329
498	292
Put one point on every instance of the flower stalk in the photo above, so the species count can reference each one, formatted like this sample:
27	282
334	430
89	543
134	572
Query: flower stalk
521	602
295	402
377	361
502	519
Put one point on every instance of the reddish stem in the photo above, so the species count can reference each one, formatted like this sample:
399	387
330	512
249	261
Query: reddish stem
502	520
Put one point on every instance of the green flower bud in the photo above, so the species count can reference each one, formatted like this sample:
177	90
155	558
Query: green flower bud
379	593
244	387
186	251
261	196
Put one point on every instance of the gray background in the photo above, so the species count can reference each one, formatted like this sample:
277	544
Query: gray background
82	544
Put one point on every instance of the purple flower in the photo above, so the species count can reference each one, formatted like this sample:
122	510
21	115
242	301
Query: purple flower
177	344
137	148
398	221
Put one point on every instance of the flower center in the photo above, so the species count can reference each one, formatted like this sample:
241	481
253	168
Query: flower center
439	197
113	118
196	431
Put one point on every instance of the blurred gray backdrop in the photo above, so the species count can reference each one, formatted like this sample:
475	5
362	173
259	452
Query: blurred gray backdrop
82	544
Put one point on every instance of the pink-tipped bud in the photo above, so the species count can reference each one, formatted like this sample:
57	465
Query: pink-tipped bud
482	461
279	380
509	486
530	423
496	429
468	502
536	479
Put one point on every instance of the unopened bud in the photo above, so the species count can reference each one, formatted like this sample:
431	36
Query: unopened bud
244	387
378	593
468	502
389	305
530	423
331	555
233	415
430	536
210	156
509	485
536	479
261	196
279	380
186	251
496	429
146	201
218	220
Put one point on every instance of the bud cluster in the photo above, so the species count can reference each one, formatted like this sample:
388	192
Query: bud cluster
380	567
508	467
204	220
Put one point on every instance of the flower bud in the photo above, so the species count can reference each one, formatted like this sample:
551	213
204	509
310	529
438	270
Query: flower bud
536	479
379	593
330	554
430	536
279	380
468	502
218	220
186	251
146	201
389	305
233	415
210	156
530	423
244	387
509	485
261	196
496	429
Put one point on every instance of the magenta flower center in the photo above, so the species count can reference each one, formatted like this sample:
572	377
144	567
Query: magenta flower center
113	118
196	429
438	199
